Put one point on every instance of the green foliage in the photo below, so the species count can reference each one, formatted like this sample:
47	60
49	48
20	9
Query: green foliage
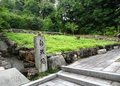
110	31
57	43
42	74
47	24
72	26
89	16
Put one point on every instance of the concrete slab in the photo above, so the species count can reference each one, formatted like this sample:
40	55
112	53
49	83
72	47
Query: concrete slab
99	74
12	77
80	81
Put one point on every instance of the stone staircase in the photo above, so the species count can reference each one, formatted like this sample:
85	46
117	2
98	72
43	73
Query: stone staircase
70	76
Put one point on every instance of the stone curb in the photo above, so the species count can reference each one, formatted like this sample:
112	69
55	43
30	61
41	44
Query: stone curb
80	81
94	73
40	81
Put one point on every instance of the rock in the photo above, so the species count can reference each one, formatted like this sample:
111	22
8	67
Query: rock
70	57
24	71
22	55
6	64
30	56
12	49
2	68
32	73
84	53
77	52
101	51
116	47
10	30
10	42
55	62
99	47
49	55
77	37
109	47
29	64
92	51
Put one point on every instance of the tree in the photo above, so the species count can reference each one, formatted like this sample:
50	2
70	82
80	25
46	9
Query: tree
46	8
72	26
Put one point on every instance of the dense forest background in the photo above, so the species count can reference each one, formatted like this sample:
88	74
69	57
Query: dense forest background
68	16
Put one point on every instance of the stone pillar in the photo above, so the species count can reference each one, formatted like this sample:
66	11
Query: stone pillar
40	53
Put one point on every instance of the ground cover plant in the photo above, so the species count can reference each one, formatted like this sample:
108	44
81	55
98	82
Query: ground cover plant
57	43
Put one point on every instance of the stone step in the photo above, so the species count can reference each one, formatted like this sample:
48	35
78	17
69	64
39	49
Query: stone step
93	73
78	80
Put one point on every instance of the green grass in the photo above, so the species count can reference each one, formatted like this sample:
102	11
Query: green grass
57	43
42	74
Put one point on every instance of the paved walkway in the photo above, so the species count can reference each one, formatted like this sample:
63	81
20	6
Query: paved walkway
98	70
104	62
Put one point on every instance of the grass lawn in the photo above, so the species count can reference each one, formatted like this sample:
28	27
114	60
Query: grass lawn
57	43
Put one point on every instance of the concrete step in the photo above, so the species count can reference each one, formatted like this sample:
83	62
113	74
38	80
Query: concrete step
93	73
86	80
83	80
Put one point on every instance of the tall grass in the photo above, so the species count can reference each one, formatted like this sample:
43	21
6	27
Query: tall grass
57	43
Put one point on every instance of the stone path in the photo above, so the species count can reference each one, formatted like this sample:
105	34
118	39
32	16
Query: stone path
98	70
3	45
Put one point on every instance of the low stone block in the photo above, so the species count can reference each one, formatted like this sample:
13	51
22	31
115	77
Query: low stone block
12	77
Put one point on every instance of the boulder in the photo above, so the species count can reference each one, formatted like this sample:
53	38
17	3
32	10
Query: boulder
84	53
6	64
116	47
29	64
92	51
77	52
30	56
108	47
10	42
70	57
101	51
55	62
32	73
22	55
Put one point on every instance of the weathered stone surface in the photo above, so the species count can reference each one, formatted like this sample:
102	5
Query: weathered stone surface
101	51
115	47
84	53
70	57
12	77
55	62
6	64
14	49
109	47
22	55
92	51
29	64
40	53
32	73
30	56
10	42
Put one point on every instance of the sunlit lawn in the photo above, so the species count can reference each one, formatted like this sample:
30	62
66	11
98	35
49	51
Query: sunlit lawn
56	43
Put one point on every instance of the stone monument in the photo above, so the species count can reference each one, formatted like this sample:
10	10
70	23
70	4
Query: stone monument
40	53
